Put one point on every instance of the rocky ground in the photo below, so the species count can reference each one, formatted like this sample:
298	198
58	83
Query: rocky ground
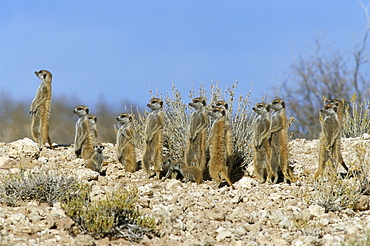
191	214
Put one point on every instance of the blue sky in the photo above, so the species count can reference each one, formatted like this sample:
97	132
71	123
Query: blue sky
118	50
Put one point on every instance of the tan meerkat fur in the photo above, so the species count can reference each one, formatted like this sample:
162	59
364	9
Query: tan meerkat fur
337	150
190	173
330	130
154	138
229	140
125	149
84	137
279	141
93	120
262	147
195	153
95	162
40	110
217	147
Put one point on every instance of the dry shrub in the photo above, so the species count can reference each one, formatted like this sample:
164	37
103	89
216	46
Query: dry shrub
44	186
336	191
356	120
177	113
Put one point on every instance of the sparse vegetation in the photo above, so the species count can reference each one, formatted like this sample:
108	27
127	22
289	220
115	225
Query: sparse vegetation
336	192
44	186
356	119
114	217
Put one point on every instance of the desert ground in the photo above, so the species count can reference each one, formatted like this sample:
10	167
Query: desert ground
192	214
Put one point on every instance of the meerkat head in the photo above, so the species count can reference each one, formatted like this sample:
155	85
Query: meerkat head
93	119
261	108
124	118
81	110
337	102
167	161
221	103
329	109
217	112
98	148
155	103
44	75
198	103
277	104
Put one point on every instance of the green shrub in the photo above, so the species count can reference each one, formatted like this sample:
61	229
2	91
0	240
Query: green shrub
114	217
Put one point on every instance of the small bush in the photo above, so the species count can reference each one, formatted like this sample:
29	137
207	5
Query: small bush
177	113
114	217
44	186
336	192
356	120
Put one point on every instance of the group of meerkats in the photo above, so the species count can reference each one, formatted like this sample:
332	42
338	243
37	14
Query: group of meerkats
270	140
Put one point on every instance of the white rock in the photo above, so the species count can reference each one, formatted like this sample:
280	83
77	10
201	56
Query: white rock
86	174
304	241
316	210
223	233
247	182
173	184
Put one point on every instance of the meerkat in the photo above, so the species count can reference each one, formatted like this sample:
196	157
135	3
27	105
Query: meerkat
340	106
279	141
40	110
154	138
262	147
96	160
84	137
229	140
125	149
93	120
330	131
217	147
195	153
190	173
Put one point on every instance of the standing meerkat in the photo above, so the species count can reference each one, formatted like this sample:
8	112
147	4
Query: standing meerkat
337	150
95	162
93	120
154	138
195	153
217	147
190	173
279	141
330	131
40	110
229	140
125	149
84	137
262	147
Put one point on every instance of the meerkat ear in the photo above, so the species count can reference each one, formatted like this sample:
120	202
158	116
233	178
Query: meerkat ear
226	105
268	108
161	103
44	75
335	109
204	102
87	110
283	103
